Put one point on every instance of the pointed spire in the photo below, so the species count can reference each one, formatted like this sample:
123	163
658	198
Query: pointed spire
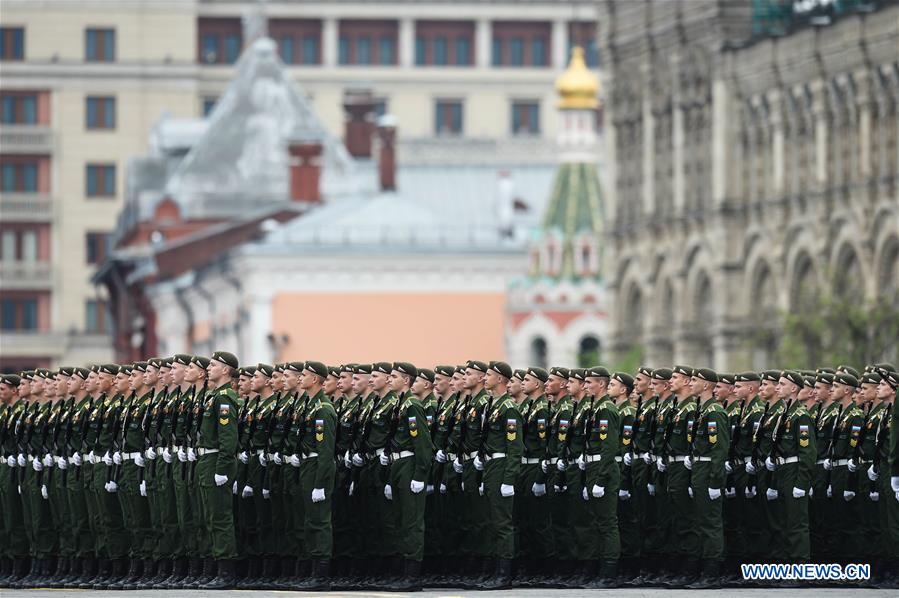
578	88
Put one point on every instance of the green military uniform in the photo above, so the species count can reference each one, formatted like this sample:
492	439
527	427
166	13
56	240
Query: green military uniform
658	539
762	439
684	542
846	503
15	541
533	525
582	544
317	474
55	481
556	480
821	530
748	507
85	539
603	480
627	515
439	524
475	509
132	483
344	518
871	523
182	410
641	469
502	452
260	529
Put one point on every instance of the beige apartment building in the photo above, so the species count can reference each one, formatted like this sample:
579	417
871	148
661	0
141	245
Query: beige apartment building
84	82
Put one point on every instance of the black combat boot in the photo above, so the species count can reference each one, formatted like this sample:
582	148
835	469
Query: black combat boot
32	566
208	574
5	570
607	577
225	578
710	578
76	566
410	580
320	578
102	571
88	572
144	582
163	572
502	576
18	569
689	573
179	570
54	580
251	579
134	571
194	572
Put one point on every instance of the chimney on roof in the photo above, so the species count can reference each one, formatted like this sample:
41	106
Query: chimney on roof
305	170
387	152
359	111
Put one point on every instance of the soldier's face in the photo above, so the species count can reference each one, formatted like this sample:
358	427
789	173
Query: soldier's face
473	377
530	384
786	388
458	382
806	393
277	380
659	387
442	383
360	383
768	389
723	390
330	385
839	391
74	384
62	382
398	381
378	381
178	370
822	391
575	386
617	389
258	381
165	375
291	379
884	390
697	385
869	390
679	381
151	376
641	383
555	384
6	393
421	386
514	387
309	379
24	388
345	382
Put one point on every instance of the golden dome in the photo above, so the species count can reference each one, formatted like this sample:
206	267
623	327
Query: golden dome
578	88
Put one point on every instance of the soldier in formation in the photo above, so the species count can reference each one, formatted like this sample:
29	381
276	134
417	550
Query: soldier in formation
193	472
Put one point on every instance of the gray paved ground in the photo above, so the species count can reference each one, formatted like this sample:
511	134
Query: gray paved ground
630	593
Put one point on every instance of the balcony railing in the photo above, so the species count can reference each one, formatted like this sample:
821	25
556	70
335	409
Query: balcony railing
25	207
17	275
26	139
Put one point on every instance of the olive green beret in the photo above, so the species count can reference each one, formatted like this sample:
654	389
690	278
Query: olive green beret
502	368
625	379
11	380
577	373
881	368
478	365
66	370
706	374
140	366
385	367
265	369
27	374
317	368
682	369
847	379
538	373
42	372
848	369
825	371
362	368
870	378
348	368
727	378
82	373
228	359
558	371
445	370
296	366
747	377
280	367
809	381
461	369
771	375
125	369
520	374
426	374
155	362
182	358
334	370
794	377
404	367
824	377
201	361
645	370
661	374
892	378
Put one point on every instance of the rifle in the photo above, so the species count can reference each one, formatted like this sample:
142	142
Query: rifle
757	438
266	473
482	442
119	426
880	438
734	441
84	427
23	433
856	455
775	450
438	474
669	430
67	436
188	422
145	422
635	428
831	445
193	431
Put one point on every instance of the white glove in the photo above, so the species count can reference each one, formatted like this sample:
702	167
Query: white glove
143	488
750	468
358	461
624	495
853	466
62	462
661	465
347	460
19	488
277	459
690	491
651	489
107	459
352	488
730	493
728	468
874	496
294	460
220	480
11	461
828	464
558	489
750	492
598	491
266	493
771	494
872	475
463	486
182	456
48	460
191	454
714	493
262	460
798	492
429	489
247	492
76	459
897	494
457	466
167	455
584	493
442	488
830	492
415	486
384	458
139	461
811	492
561	465
848	495
688	462
234	488
111	487
318	494
90	456
478	464
440	456
507	490
894	481
481	489
770	465
150	454
37	465
628	459
244	457
44	492
544	465
388	492
582	463
21	460
538	489
117	458
647	458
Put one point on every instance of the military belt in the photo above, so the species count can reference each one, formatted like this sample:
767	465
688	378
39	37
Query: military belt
676	458
206	451
619	459
130	456
787	460
258	452
95	459
702	459
839	462
308	455
645	455
553	460
401	455
493	456
451	456
528	461
177	448
592	458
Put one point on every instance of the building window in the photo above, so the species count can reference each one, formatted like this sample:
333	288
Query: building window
19	177
440	54
497	54
96	316
420	51
521	43
363	50
444	43
343	51
365	42
463	51
538	52
99	45
100	113
525	118
516	52
583	34
285	48
96	247
448	117
100	180
18	109
385	51
219	40
298	39
8	307
19	245
208	105
12	43
310	50
19	314
538	352
588	352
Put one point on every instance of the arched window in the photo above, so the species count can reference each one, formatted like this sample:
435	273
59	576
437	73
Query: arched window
588	351
538	352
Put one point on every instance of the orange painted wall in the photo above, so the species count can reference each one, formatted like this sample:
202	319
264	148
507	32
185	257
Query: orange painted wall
426	329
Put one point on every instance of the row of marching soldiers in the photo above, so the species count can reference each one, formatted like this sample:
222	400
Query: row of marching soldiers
190	472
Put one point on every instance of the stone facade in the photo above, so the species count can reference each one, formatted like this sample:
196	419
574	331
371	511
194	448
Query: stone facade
744	171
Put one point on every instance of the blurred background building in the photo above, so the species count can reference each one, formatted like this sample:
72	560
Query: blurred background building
752	166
